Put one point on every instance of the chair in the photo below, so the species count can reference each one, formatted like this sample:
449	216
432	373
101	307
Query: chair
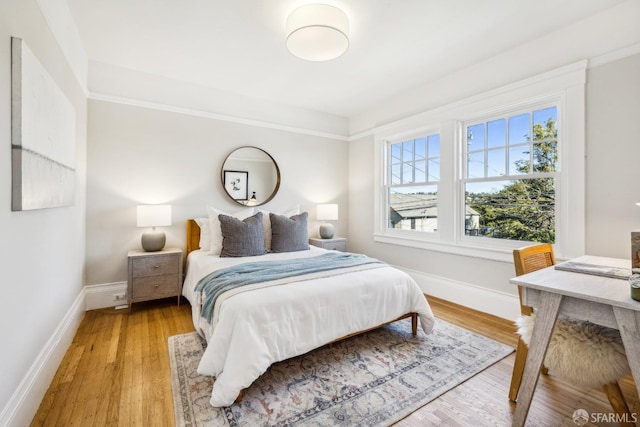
582	352
527	260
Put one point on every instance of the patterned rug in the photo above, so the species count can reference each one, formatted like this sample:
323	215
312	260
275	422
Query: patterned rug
374	379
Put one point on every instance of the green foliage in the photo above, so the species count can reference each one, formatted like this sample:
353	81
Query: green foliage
524	209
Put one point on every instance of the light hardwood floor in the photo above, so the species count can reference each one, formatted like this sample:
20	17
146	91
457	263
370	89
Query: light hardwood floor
116	373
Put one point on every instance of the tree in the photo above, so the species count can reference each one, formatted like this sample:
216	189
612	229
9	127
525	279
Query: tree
524	209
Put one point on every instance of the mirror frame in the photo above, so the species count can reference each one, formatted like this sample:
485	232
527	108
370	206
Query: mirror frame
246	202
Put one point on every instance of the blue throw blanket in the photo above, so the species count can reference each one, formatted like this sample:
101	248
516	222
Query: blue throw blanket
218	282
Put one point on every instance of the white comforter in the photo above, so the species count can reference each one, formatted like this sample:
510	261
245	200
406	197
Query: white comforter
266	325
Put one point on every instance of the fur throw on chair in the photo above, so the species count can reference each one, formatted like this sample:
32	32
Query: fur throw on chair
583	353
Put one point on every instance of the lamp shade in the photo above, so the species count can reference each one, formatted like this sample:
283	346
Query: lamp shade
154	215
328	212
317	32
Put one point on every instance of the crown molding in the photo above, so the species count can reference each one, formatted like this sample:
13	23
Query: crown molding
210	115
614	56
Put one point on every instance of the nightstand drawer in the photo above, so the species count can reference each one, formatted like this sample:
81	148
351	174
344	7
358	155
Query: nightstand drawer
156	287
336	246
154	275
155	266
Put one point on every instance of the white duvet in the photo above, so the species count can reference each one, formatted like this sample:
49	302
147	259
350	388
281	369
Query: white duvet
257	328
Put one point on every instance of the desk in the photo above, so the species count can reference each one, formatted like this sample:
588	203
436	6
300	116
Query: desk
601	300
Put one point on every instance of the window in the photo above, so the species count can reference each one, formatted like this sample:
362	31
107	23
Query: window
511	167
414	172
480	176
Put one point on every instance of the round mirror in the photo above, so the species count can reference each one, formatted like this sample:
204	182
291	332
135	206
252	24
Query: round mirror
250	176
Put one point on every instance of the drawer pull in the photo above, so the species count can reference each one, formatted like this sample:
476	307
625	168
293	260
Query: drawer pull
156	285
156	266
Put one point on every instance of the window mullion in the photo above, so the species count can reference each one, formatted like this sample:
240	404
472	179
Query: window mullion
507	148
486	150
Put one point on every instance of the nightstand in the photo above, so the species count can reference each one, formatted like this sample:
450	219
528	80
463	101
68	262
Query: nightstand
154	275
336	244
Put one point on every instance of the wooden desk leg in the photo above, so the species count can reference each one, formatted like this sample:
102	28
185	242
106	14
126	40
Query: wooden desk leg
545	320
629	326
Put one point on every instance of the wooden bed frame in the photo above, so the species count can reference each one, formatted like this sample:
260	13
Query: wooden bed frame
193	236
193	243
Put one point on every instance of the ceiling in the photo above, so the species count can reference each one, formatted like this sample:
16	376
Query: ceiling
238	46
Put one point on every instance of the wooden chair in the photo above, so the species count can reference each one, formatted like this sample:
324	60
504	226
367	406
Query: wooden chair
527	260
536	257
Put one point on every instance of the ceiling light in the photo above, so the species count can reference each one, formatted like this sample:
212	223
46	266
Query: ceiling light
317	32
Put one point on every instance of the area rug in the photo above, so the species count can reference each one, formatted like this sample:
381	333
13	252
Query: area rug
373	379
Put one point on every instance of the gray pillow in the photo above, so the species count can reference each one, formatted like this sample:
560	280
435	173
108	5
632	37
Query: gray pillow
289	234
241	238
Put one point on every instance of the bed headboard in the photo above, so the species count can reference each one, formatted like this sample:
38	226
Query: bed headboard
193	236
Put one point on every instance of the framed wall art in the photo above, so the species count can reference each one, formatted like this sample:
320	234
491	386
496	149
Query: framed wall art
235	182
43	135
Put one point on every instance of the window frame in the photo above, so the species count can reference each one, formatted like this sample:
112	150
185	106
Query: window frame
564	88
506	113
388	181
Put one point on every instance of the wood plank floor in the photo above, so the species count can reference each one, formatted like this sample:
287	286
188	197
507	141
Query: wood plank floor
116	373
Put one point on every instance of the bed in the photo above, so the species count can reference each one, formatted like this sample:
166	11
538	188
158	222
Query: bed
271	321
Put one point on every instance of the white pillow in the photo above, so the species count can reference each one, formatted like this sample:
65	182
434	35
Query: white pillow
205	241
266	222
215	232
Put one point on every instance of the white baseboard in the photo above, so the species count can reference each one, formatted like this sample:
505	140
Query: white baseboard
24	403
101	296
478	298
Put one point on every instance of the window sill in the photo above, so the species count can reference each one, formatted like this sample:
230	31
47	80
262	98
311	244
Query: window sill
493	253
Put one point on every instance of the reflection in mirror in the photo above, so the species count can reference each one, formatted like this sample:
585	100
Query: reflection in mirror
250	176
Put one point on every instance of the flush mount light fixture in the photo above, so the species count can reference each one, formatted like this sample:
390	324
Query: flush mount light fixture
317	32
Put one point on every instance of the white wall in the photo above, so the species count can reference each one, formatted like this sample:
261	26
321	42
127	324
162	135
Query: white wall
142	155
613	157
42	252
612	105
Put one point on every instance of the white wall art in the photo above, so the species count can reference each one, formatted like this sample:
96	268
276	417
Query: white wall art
43	135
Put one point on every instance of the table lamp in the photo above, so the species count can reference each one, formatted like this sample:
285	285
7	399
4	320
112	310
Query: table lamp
253	201
328	212
153	216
